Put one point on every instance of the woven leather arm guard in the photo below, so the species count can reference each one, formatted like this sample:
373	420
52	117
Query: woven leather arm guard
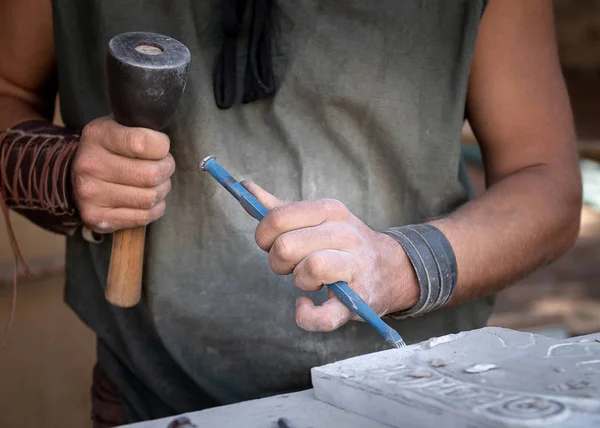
35	175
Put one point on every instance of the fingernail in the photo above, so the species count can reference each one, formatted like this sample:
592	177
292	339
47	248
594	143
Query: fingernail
91	236
246	183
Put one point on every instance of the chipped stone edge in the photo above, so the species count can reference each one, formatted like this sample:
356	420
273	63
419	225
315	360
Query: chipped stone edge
386	409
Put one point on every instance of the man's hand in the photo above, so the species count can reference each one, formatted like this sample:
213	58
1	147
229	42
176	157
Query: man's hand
121	175
321	242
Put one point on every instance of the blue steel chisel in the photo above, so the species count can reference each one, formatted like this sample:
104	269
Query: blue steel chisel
340	288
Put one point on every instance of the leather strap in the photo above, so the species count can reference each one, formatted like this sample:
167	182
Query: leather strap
35	174
444	258
418	266
433	259
35	181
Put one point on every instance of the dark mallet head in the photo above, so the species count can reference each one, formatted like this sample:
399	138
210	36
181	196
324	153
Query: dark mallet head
146	75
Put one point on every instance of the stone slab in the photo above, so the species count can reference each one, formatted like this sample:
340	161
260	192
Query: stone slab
485	378
583	339
301	410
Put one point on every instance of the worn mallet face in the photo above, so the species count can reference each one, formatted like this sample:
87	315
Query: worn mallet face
147	74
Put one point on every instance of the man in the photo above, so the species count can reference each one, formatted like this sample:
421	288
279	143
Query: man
354	117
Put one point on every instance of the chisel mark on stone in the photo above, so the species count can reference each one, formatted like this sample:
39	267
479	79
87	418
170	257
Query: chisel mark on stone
481	368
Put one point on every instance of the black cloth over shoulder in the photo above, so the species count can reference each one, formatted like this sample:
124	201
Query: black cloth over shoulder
259	79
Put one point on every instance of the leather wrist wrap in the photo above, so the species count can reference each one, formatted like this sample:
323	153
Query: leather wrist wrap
35	174
35	181
434	262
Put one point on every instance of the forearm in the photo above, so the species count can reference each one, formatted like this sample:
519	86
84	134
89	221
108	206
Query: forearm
523	221
35	169
15	110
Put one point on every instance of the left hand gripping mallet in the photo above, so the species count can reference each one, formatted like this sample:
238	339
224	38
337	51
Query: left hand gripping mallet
340	288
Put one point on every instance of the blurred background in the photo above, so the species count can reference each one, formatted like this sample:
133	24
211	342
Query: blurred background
45	368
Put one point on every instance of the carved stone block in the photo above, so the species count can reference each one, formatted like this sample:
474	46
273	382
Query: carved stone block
297	410
485	378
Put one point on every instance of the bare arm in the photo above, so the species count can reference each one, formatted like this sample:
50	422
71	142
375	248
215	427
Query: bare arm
519	110
27	69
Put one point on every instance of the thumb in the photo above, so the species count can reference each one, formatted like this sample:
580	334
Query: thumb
264	197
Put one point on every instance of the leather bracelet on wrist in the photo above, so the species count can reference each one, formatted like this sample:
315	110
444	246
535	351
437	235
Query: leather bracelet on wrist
434	262
35	174
35	181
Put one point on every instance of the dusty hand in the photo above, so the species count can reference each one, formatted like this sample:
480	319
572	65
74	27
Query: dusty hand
321	242
121	175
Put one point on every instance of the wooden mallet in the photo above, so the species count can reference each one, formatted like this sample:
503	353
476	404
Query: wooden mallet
146	74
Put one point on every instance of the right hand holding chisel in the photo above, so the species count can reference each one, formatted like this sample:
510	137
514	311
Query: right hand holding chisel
321	242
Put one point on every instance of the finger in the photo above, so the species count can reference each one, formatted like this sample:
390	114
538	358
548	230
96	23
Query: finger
327	317
121	170
108	220
324	267
298	215
110	195
264	197
131	142
291	247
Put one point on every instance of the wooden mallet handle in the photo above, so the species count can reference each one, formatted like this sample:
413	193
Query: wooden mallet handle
146	76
